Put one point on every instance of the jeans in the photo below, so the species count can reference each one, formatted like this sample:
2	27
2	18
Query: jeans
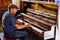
21	34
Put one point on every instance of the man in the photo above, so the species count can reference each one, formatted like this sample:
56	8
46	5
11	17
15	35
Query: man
11	25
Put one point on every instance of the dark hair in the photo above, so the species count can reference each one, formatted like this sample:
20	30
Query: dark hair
12	6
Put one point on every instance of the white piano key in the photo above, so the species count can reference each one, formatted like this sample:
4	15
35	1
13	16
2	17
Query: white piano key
34	28
19	20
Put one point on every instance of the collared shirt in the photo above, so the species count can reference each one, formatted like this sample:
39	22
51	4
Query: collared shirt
9	25
5	14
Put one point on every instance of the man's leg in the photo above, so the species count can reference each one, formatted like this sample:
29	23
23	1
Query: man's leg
22	34
26	36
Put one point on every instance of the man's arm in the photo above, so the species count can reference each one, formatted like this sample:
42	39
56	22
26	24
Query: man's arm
22	26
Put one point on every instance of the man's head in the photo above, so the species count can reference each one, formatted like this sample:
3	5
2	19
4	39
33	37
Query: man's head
12	9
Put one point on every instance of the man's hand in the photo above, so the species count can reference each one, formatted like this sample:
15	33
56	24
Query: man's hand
22	26
29	25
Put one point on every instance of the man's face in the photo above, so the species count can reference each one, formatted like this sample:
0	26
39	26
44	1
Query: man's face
14	10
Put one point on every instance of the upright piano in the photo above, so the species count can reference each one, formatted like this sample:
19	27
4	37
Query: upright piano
43	20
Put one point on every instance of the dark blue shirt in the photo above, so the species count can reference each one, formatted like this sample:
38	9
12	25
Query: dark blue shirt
9	24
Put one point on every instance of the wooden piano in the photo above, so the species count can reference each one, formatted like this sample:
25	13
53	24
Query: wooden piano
42	19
